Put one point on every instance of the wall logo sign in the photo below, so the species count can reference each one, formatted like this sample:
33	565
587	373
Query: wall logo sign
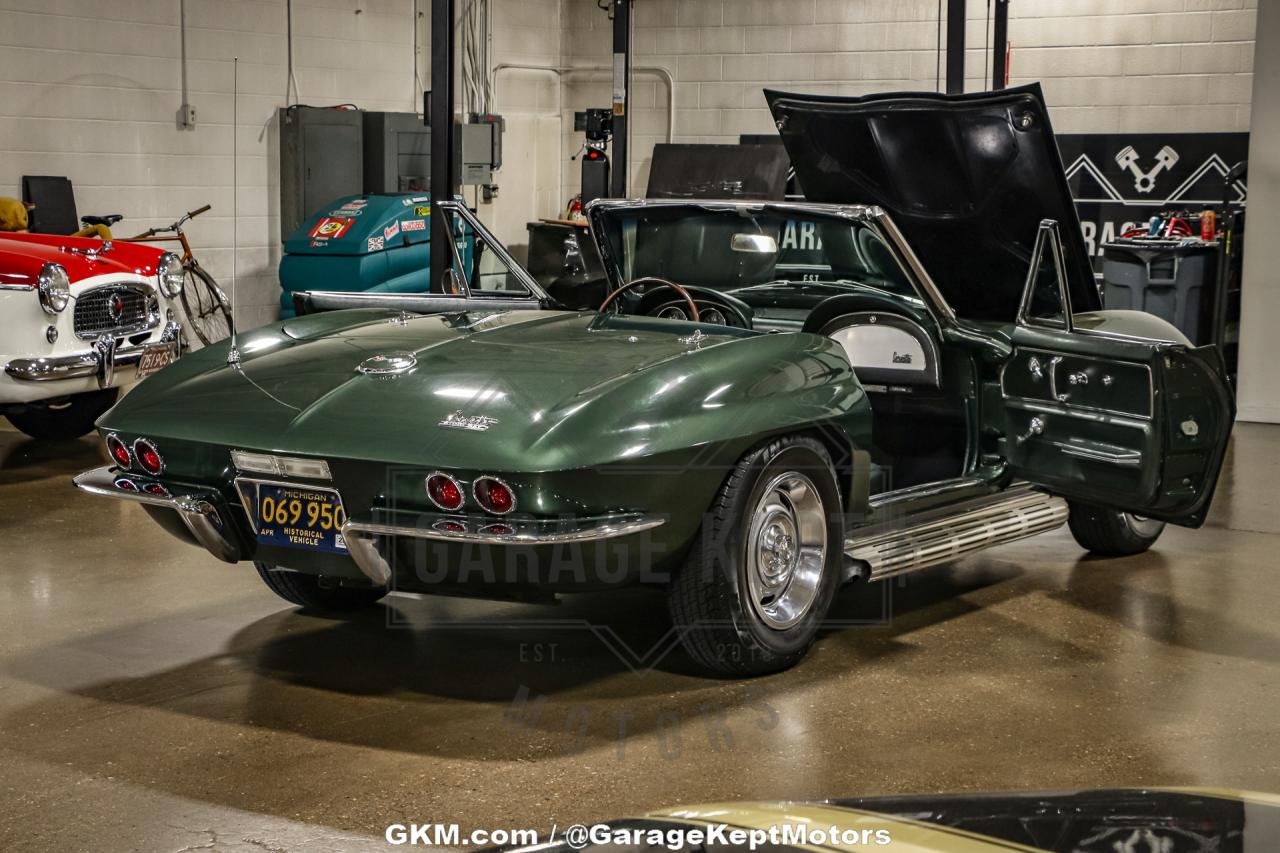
330	228
1121	180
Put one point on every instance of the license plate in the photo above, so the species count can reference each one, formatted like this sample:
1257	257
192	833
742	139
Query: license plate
296	516
155	357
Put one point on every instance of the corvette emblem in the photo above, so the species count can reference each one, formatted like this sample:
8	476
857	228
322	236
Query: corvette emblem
391	362
475	423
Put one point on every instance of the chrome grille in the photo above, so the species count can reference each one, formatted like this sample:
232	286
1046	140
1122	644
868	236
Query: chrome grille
114	309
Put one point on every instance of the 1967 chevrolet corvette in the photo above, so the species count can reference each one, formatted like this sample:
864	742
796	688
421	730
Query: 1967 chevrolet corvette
775	399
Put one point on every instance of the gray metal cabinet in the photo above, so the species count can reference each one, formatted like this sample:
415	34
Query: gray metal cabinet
321	158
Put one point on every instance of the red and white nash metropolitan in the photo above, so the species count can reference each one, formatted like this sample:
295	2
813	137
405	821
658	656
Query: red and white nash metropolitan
81	319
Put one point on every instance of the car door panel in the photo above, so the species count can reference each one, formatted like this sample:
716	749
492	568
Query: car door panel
1086	382
1112	418
1149	441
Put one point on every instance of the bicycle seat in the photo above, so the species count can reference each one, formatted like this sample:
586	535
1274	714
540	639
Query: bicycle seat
108	220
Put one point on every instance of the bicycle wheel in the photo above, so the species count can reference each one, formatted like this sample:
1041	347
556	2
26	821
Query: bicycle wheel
206	306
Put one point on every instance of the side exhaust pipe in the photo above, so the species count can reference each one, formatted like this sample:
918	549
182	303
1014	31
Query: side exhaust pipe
943	540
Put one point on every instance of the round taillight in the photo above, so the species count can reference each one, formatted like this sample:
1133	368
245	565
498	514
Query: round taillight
444	491
126	484
494	495
156	489
148	457
119	451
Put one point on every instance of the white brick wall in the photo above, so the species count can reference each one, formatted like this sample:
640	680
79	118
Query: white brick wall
1140	65
90	90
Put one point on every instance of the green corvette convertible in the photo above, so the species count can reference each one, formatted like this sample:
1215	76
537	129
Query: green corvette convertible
774	400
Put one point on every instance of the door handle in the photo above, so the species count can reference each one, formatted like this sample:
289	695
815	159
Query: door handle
1053	379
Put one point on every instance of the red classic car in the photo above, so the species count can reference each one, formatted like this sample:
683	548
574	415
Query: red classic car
79	320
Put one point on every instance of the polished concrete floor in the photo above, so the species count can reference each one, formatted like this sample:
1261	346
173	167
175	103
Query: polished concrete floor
152	698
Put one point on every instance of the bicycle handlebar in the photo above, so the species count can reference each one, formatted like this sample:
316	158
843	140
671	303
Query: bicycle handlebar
175	227
190	214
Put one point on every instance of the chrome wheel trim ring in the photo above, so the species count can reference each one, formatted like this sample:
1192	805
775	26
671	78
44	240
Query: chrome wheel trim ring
786	550
1141	525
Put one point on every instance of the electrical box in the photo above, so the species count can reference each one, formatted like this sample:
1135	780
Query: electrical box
397	153
321	159
478	148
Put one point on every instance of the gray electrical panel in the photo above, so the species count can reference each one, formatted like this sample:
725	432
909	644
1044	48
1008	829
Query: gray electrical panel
326	154
321	158
397	153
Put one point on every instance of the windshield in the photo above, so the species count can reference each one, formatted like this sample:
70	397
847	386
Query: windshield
733	249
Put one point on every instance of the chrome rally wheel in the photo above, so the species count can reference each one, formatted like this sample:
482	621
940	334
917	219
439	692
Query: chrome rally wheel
786	550
764	567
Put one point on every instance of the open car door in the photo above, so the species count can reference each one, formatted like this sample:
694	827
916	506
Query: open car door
1117	419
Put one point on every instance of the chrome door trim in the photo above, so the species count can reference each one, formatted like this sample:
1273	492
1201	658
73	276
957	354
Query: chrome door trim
1122	458
1047	234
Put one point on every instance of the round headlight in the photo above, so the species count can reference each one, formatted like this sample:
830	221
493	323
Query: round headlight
54	287
171	274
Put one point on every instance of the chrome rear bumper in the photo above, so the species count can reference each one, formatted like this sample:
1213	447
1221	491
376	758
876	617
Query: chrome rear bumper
362	536
102	361
203	515
198	511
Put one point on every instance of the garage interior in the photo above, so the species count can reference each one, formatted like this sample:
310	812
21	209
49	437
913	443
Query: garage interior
153	698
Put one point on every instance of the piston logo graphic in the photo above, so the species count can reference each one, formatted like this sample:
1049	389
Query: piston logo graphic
1145	182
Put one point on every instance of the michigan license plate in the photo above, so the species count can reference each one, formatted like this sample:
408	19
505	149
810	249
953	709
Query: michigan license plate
297	516
155	357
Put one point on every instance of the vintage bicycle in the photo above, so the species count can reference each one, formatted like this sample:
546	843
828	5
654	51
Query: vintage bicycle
207	307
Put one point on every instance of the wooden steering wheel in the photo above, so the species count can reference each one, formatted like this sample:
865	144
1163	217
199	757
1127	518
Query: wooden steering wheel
649	279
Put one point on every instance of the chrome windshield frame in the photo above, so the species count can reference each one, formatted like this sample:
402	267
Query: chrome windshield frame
921	282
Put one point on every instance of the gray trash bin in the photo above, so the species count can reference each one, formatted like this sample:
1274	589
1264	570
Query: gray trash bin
1172	279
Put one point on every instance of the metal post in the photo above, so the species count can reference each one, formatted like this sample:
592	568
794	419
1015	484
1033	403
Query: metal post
444	178
1000	46
955	47
621	94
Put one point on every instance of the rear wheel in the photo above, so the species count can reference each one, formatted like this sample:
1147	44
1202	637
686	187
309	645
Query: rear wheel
205	306
752	593
308	591
1110	532
71	418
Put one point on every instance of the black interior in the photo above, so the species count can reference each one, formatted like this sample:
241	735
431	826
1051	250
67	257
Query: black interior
919	424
